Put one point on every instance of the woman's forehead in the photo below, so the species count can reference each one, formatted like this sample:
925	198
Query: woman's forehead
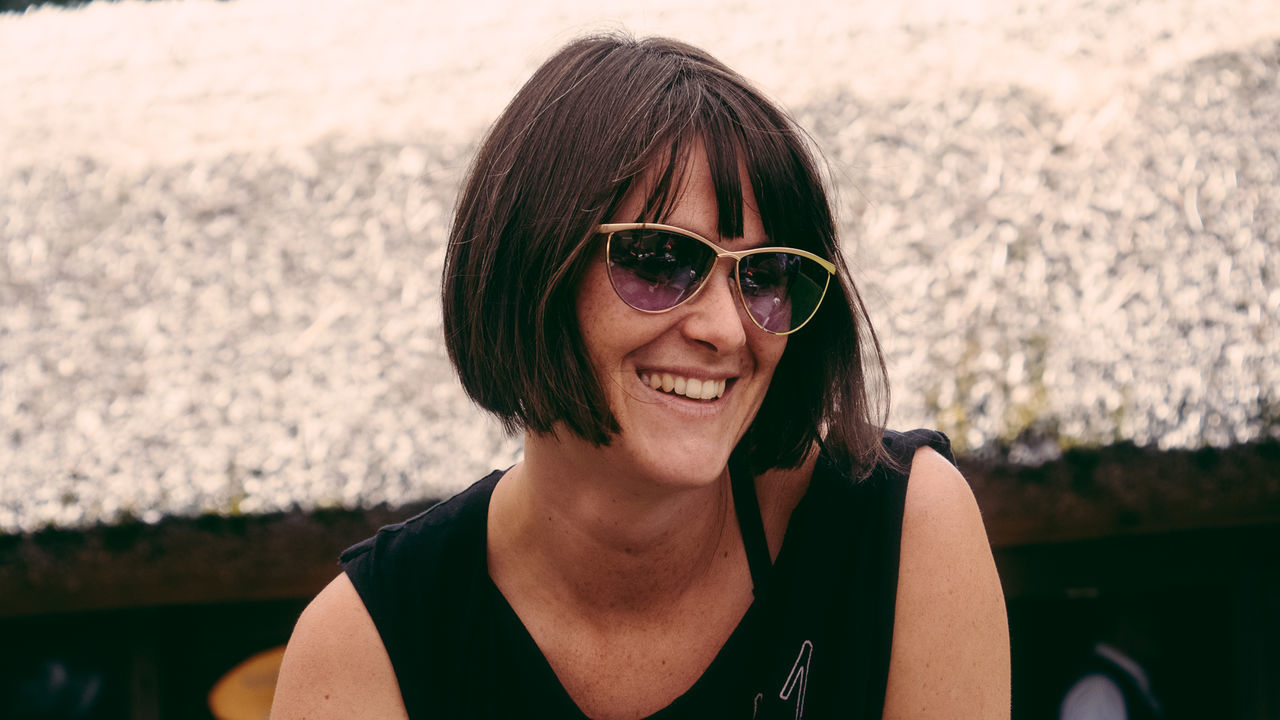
682	191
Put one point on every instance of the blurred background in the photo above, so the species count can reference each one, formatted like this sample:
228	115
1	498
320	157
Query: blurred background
221	230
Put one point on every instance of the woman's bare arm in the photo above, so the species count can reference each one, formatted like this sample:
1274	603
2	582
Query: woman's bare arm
335	665
951	633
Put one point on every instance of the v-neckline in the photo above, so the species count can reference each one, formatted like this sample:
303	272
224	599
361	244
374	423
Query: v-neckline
533	657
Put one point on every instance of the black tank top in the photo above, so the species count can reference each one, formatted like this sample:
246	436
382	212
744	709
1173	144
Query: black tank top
814	643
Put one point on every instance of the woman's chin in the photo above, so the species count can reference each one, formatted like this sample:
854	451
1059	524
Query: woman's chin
681	470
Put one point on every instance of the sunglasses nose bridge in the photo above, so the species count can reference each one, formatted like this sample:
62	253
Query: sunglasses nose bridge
731	262
731	258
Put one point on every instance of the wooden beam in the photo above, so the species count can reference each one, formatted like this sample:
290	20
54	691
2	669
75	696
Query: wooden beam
1087	494
1125	490
181	560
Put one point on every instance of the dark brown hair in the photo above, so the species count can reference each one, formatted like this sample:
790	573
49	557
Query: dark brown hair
559	161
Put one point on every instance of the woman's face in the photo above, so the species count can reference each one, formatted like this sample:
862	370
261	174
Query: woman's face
667	435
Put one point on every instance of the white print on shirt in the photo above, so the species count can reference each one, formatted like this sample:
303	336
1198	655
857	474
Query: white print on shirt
795	683
798	678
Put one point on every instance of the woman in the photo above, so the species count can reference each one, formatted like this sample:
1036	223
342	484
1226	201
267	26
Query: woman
644	277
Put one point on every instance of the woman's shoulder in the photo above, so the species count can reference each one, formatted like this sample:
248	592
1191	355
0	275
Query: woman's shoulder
950	644
335	665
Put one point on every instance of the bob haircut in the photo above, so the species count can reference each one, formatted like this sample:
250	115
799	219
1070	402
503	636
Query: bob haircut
582	131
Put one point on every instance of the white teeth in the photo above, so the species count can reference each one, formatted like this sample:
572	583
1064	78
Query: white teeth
688	387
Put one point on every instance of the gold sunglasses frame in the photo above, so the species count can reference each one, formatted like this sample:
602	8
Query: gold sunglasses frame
608	229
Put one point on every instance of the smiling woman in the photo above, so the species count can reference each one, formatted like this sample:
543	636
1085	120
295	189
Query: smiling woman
644	278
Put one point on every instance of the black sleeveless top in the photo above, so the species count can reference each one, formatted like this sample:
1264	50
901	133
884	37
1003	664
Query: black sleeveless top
814	643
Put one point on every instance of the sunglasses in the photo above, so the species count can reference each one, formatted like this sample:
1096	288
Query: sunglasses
655	268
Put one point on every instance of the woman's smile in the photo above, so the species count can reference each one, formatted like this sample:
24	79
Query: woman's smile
693	388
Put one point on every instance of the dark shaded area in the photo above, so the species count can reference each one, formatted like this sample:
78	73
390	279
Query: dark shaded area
1156	632
1199	610
146	662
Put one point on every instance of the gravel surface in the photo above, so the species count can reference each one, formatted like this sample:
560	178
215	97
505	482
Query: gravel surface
221	228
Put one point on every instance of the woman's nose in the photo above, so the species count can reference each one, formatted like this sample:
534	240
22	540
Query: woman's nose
716	317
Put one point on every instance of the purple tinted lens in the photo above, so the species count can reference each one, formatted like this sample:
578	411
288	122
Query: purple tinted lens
773	312
656	270
781	290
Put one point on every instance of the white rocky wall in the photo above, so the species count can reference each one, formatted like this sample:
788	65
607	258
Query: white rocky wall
220	229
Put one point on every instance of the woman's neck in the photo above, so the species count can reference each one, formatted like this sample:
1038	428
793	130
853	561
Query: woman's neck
602	540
